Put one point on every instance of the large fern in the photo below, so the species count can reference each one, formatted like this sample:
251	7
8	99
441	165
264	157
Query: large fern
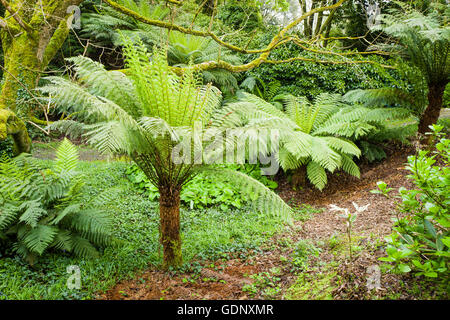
317	136
422	45
44	209
155	114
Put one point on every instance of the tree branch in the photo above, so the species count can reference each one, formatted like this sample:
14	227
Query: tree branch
212	35
175	2
16	17
3	24
276	41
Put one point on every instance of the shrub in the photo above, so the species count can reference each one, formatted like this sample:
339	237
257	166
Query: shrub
43	209
304	78
206	191
421	237
7	148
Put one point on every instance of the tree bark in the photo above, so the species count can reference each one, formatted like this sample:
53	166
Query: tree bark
27	52
431	113
299	177
169	212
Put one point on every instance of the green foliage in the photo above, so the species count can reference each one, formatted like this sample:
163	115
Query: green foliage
423	43
207	191
241	16
6	148
421	237
372	145
146	114
316	135
102	25
304	250
271	92
208	234
314	286
183	49
303	78
424	39
267	283
42	209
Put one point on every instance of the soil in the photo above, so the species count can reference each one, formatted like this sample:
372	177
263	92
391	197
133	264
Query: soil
226	278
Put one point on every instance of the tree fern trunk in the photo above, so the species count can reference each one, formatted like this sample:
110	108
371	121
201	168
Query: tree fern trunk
299	177
431	113
169	212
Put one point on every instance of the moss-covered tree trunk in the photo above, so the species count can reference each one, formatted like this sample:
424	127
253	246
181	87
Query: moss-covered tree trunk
32	32
431	113
169	212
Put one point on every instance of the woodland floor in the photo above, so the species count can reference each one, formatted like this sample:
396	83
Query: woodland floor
268	274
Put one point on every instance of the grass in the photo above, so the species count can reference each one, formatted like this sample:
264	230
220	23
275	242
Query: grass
206	234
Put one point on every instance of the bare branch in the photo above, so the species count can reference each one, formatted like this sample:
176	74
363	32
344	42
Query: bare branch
172	26
278	40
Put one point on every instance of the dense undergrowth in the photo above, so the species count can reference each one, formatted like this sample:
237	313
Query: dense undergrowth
207	234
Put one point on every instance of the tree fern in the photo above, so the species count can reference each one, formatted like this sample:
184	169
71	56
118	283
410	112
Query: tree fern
317	135
421	43
109	26
166	112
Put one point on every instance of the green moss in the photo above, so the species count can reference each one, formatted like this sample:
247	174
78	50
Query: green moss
21	49
3	120
25	56
177	259
12	125
315	286
56	42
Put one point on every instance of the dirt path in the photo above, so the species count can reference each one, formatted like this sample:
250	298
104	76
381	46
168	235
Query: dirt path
269	274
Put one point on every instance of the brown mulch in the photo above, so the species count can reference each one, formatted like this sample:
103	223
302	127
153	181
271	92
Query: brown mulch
226	278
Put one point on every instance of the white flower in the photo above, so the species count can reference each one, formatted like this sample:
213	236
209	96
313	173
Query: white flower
360	209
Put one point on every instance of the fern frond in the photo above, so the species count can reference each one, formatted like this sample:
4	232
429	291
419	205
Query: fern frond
316	174
66	156
83	248
33	211
267	201
349	166
39	238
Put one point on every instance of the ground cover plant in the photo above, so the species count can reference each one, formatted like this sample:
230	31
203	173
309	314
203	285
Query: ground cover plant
206	234
205	191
